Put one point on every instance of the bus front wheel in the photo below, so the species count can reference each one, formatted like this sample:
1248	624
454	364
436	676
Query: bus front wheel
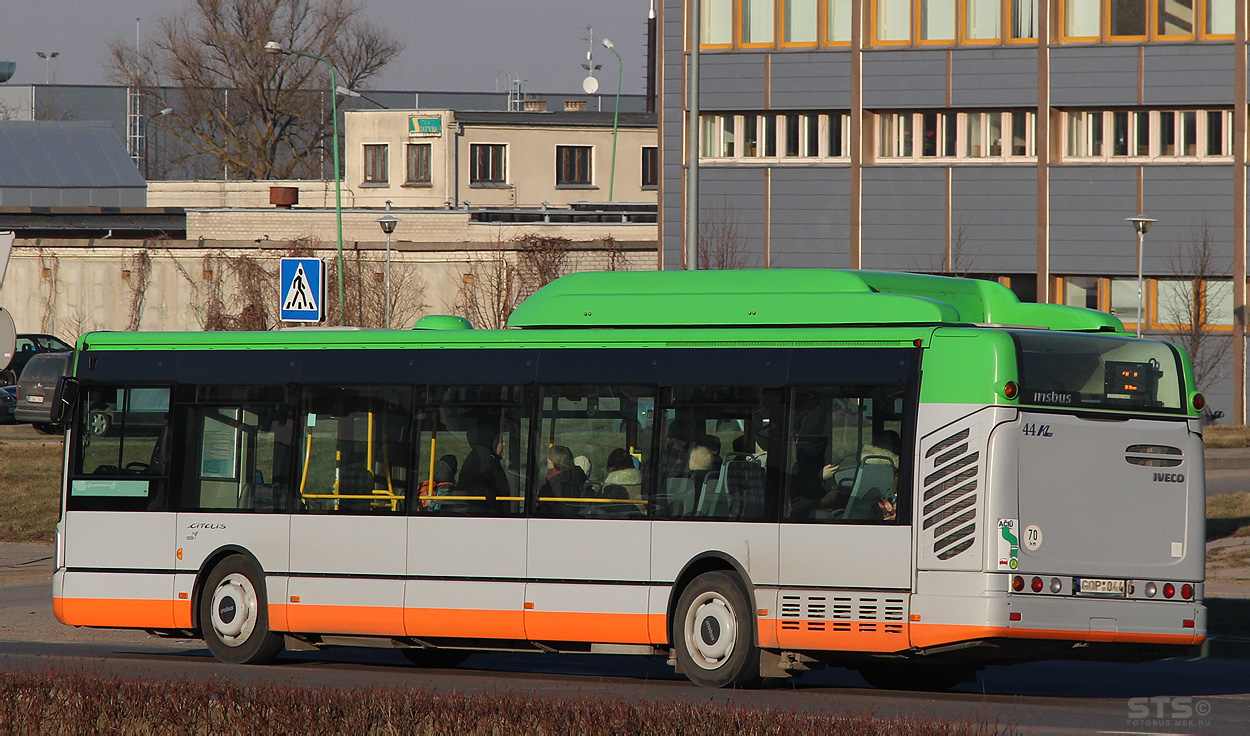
234	614
713	632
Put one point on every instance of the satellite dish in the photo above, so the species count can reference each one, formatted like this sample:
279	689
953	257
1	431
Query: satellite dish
8	338
590	85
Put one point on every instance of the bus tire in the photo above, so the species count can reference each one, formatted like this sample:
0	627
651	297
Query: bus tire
714	633
234	614
435	658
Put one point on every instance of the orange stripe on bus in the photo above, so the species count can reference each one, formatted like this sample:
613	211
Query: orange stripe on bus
465	623
606	628
121	612
927	635
363	620
853	636
182	614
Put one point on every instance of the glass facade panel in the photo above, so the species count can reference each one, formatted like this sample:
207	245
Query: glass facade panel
982	22
994	134
1076	145
1096	123
1218	302
893	20
838	22
1024	17
1167	133
929	138
1081	18
937	20
1143	133
1215	133
707	140
1119	134
716	21
1176	18
1081	291
750	136
792	135
811	135
800	21
835	134
951	129
727	136
1221	17
1124	300
757	21
1020	137
1128	18
1187	143
1175	301
973	136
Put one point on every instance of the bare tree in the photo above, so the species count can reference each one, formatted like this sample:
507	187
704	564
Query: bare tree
364	291
722	244
255	115
1187	310
490	289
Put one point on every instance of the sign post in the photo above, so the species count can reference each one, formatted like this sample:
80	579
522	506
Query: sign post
302	289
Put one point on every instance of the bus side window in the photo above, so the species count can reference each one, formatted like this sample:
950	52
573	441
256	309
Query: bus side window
473	454
238	458
355	450
845	454
593	456
123	449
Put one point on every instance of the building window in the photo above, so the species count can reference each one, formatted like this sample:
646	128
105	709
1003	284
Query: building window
1175	18
790	135
650	167
716	21
757	22
1081	291
1124	298
893	21
1175	302
937	21
1128	19
838	21
1081	19
799	22
573	166
918	135
982	20
1217	303
376	163
1024	20
839	135
1147	134
1221	17
418	163
487	163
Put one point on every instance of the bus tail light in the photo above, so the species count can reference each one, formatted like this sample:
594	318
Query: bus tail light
1015	616
1169	590
1011	389
1036	585
1055	585
1199	402
1188	623
1187	591
1017	583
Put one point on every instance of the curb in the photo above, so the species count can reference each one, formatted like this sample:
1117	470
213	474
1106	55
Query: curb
1227	462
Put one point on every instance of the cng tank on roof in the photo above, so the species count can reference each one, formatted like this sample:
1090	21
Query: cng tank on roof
6	70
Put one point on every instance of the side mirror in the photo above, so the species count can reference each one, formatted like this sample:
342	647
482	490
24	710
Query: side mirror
64	399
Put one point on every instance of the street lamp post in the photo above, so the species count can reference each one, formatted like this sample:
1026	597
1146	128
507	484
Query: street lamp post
47	64
1141	224
616	116
274	48
388	223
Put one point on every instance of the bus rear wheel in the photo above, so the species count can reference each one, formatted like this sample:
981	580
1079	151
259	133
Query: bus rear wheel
234	614
714	634
436	658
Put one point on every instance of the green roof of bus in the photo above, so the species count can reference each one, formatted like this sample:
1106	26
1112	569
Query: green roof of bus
782	297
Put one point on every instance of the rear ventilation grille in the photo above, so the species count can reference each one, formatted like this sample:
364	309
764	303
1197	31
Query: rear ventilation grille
1154	456
842	613
950	495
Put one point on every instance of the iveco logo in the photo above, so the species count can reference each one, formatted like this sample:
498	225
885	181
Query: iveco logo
206	526
1169	478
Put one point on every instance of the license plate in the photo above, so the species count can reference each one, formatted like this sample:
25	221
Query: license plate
1100	586
35	399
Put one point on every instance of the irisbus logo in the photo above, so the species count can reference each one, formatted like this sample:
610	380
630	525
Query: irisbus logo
1051	397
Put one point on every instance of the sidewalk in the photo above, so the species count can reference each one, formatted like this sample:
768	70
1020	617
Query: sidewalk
1227	458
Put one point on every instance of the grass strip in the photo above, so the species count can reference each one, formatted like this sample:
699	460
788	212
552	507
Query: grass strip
30	480
81	703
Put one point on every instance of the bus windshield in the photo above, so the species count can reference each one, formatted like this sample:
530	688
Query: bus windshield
1099	372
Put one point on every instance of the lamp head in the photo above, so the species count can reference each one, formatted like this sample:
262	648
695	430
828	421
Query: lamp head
1141	223
340	89
388	223
164	111
607	43
274	48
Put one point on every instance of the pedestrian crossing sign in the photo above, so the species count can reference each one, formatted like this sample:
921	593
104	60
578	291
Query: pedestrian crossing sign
303	289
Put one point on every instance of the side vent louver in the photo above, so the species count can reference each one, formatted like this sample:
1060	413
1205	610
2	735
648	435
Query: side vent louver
1154	456
949	499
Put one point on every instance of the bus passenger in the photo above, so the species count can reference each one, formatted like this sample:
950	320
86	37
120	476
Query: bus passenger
482	473
622	475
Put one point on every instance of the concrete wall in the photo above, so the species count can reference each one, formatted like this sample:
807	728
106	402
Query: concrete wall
70	287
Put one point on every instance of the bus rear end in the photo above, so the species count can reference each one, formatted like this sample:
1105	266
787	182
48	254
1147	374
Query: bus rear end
1082	489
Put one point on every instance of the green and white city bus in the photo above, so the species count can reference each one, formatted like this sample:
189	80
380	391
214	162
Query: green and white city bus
753	473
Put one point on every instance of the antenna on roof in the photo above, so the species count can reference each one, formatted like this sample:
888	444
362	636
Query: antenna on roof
590	85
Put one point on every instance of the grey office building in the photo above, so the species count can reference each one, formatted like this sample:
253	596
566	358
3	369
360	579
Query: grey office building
1006	139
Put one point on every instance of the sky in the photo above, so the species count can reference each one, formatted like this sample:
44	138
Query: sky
456	45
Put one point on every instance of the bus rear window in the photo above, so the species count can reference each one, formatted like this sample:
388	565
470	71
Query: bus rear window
1099	372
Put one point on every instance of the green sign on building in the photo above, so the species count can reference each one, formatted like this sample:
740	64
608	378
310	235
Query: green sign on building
418	125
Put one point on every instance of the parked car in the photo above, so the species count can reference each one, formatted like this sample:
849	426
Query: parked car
36	389
27	347
8	401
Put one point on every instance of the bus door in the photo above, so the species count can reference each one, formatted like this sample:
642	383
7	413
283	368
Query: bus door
589	539
466	540
349	532
236	486
119	529
845	549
